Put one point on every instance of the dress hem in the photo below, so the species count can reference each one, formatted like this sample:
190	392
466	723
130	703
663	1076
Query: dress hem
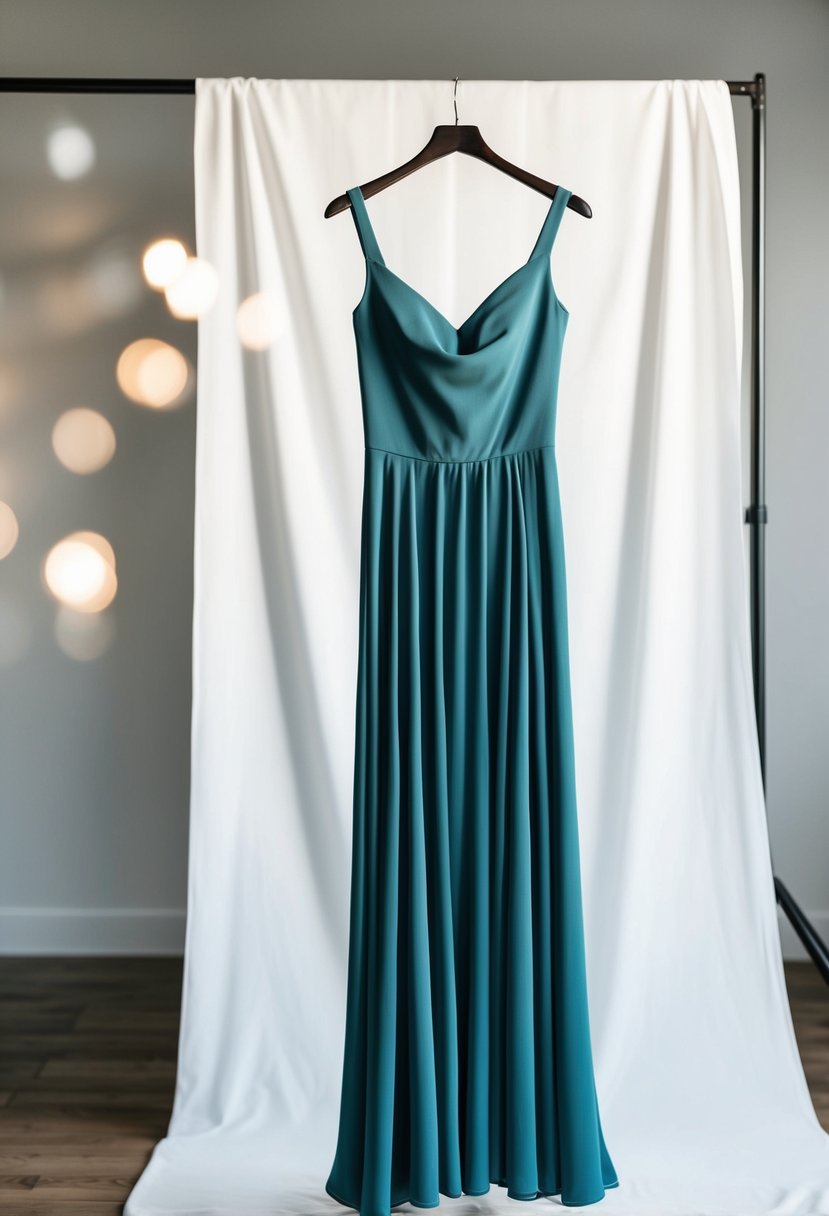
525	1198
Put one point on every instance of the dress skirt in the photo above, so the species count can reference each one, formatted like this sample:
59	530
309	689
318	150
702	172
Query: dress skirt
467	1057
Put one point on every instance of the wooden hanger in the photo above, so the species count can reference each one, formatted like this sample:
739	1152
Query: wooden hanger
468	139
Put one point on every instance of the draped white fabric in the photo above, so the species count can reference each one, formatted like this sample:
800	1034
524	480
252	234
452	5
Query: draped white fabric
700	1085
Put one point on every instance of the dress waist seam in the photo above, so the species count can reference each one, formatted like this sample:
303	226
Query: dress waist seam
475	460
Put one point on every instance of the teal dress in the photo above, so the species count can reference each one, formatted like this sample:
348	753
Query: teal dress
467	1055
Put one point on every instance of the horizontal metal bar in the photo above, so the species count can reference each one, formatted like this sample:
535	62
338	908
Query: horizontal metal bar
91	84
126	84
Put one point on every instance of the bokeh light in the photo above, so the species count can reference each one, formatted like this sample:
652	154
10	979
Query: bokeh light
153	373
8	389
99	543
74	300
79	571
83	635
71	151
113	281
9	529
15	630
83	440
163	262
259	320
194	291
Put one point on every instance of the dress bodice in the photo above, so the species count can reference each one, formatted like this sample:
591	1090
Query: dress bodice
433	391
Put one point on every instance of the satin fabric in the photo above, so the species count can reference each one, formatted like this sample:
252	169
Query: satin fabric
467	1044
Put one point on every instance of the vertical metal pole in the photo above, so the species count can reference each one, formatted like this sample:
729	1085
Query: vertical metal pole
757	513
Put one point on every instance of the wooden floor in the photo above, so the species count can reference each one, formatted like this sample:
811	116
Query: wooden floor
87	1071
87	1068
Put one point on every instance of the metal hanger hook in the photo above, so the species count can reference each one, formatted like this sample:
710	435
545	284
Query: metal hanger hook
455	100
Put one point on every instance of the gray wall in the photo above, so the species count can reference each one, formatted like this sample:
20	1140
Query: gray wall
95	756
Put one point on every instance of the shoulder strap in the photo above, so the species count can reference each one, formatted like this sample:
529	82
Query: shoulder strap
365	231
549	228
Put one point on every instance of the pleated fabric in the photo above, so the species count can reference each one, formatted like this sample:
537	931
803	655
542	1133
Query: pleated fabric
467	1057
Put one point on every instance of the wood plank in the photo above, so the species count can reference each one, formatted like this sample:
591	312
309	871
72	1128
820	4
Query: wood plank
92	1099
105	1074
108	1141
109	1018
58	1165
138	1046
31	1204
101	1186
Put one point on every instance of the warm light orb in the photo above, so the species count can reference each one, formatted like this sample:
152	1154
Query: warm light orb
71	151
108	285
151	372
8	386
83	635
258	321
9	529
163	262
194	291
112	281
15	630
83	440
99	543
79	571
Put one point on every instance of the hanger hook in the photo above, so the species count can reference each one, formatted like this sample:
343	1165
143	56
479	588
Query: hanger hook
455	100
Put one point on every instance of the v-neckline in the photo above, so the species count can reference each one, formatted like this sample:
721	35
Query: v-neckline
458	330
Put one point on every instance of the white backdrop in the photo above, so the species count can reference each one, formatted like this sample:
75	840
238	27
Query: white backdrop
703	1099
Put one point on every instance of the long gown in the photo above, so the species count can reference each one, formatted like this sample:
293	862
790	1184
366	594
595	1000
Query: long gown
467	1056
